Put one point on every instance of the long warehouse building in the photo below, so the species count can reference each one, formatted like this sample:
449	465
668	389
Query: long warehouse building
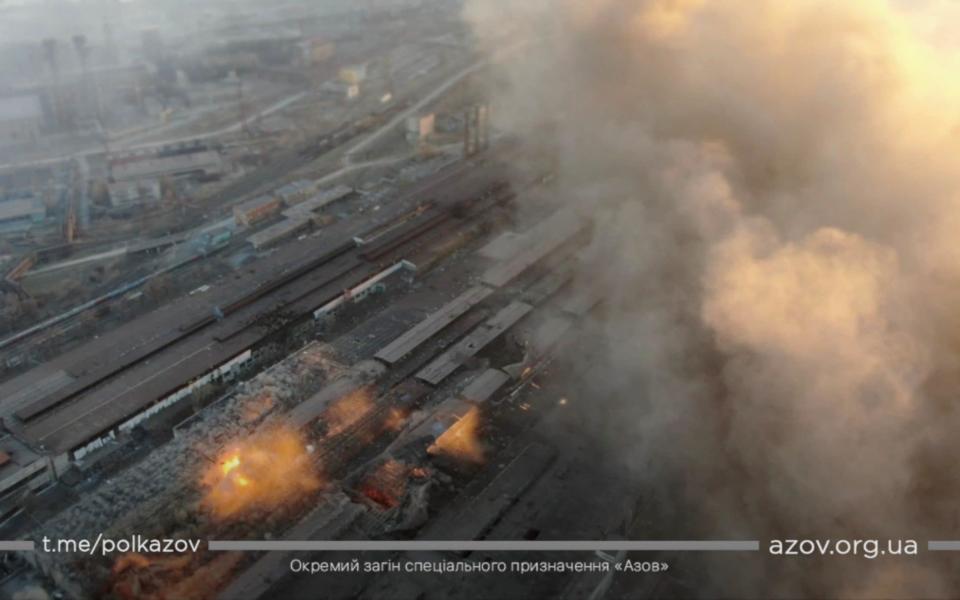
72	404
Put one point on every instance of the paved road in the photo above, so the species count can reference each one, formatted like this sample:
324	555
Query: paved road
237	126
376	135
119	144
348	166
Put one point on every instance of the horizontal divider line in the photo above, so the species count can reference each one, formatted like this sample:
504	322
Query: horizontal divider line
16	546
489	545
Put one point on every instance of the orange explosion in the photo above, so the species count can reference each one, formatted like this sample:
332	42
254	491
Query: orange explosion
387	484
395	420
461	441
264	471
347	410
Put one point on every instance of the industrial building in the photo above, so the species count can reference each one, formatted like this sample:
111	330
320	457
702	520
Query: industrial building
255	210
317	202
21	214
342	294
296	192
279	232
401	358
132	192
68	416
138	167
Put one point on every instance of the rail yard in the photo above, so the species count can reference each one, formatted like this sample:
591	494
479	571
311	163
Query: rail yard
479	299
362	374
345	316
397	348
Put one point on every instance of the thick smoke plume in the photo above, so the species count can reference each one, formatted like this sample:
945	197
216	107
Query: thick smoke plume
782	255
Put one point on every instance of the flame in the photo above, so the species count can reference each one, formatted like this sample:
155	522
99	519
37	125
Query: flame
387	484
347	410
461	441
263	471
206	580
138	577
230	464
395	420
132	560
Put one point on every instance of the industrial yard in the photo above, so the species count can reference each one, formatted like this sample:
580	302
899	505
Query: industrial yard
480	299
319	298
402	344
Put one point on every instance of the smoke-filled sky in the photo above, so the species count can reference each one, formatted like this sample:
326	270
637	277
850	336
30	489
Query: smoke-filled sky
783	257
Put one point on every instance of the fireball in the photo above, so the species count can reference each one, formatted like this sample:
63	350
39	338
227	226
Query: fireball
461	441
265	471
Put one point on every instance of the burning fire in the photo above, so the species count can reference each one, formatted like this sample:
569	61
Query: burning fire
139	577
347	410
395	420
461	441
132	560
387	484
261	472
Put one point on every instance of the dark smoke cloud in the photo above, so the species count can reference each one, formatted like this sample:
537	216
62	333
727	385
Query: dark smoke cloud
781	179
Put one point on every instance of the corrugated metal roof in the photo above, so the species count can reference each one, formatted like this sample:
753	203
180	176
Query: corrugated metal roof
320	200
297	187
441	419
278	232
136	363
448	362
536	243
47	385
167	165
447	314
485	385
476	517
254	203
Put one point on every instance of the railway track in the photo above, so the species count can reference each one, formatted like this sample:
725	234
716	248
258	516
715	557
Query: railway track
105	387
381	434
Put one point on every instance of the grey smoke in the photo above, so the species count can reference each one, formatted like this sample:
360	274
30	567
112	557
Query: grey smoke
782	258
